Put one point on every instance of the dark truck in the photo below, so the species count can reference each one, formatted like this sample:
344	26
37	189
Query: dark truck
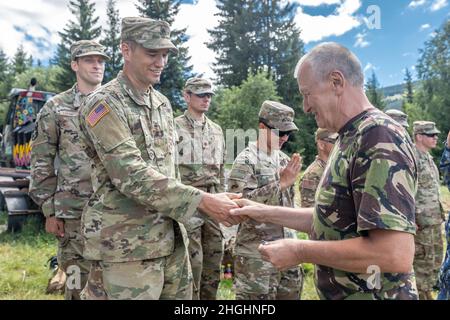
15	150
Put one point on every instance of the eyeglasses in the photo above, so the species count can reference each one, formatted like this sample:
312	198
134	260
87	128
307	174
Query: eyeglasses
332	141
202	95
430	135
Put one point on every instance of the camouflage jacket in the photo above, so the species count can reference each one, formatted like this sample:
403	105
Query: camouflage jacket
256	175
201	156
369	183
428	206
310	181
445	166
131	138
62	191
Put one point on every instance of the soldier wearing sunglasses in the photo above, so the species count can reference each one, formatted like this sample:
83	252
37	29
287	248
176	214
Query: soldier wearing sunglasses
263	173
429	212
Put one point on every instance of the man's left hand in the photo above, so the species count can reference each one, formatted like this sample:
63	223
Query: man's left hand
283	253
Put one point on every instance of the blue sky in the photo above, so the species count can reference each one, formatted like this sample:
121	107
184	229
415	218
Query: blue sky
404	27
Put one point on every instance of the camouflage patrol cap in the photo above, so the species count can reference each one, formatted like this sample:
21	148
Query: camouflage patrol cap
84	48
150	33
427	127
325	135
198	86
277	116
398	116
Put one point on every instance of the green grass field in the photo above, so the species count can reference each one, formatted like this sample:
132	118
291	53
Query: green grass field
24	270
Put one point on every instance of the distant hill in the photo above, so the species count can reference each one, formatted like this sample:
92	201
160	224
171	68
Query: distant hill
393	95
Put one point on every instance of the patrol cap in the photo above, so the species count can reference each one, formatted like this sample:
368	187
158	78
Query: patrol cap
277	116
425	127
84	48
398	116
150	33
198	86
325	135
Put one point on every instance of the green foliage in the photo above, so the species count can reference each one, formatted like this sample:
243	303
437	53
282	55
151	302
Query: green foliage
433	69
178	68
83	28
238	107
409	87
45	78
111	40
373	92
21	61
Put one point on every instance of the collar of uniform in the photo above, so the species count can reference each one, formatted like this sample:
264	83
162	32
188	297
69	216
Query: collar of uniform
194	122
321	162
78	96
140	98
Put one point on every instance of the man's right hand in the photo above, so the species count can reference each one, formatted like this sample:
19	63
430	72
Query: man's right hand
55	226
218	207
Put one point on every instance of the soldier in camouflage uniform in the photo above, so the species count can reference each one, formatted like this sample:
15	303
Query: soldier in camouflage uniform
444	276
398	116
63	191
310	180
201	161
261	173
363	223
429	212
133	222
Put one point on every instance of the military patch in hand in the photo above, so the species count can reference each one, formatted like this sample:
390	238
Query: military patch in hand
99	111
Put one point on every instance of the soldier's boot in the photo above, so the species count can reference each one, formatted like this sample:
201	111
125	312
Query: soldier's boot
57	283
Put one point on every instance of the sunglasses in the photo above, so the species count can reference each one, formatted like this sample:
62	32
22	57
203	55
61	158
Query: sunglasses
430	135
202	95
276	131
332	141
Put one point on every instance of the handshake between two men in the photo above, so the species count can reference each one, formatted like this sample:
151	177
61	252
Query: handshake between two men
231	209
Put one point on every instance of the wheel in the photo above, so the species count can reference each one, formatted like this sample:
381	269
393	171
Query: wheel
15	222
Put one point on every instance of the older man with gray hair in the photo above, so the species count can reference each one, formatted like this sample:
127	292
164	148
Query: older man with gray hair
363	224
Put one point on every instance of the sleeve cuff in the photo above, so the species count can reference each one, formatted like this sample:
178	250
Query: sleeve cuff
48	208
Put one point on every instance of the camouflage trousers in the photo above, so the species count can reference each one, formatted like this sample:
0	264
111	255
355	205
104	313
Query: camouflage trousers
165	278
428	258
94	288
206	252
256	279
70	259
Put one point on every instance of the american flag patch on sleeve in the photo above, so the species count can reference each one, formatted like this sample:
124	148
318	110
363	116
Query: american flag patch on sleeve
100	110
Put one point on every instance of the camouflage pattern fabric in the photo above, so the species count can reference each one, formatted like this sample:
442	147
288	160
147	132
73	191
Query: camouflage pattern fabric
444	275
198	86
139	204
369	183
429	217
201	158
62	191
151	34
71	261
84	48
309	182
57	136
94	288
256	174
428	258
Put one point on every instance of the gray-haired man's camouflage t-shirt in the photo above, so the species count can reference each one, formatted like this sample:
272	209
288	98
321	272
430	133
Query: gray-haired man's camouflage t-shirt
369	183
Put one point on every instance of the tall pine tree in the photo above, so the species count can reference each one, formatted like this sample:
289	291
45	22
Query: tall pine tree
111	41
373	93
21	61
178	68
409	86
5	76
82	28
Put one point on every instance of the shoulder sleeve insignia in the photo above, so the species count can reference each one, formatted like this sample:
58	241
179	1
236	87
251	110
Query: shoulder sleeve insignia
99	111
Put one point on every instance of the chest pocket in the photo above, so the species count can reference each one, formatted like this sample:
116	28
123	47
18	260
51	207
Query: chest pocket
265	176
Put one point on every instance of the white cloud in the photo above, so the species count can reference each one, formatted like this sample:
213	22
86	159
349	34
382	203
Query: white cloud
369	66
424	27
316	28
317	3
438	5
361	42
416	3
202	58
